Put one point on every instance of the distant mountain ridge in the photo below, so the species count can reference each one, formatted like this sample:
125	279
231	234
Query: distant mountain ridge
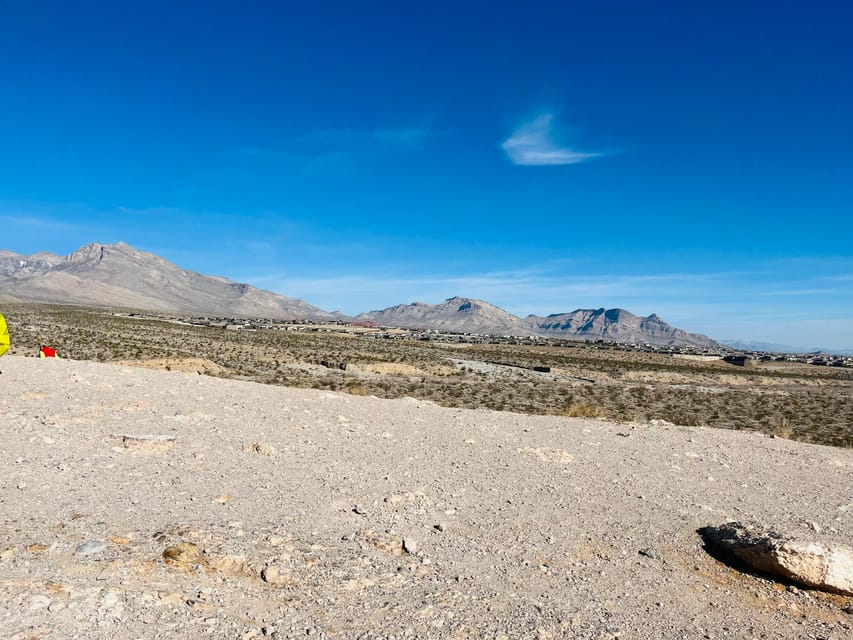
461	315
466	315
617	325
117	275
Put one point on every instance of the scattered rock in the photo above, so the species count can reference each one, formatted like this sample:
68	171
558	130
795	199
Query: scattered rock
91	548
410	546
649	553
383	541
805	563
109	600
145	442
181	555
359	510
55	606
169	599
274	575
261	448
39	601
230	564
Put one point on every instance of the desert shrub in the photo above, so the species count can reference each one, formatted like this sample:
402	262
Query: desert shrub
580	410
357	390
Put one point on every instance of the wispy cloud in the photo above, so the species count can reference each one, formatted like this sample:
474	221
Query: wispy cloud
533	144
34	222
323	150
843	277
150	211
359	138
410	137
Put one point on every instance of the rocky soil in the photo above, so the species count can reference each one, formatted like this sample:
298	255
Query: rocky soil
138	503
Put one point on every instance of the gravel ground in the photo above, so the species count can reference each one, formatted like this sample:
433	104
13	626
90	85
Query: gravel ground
148	504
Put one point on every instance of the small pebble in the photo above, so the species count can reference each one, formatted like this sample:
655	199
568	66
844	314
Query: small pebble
110	600
39	601
410	546
91	548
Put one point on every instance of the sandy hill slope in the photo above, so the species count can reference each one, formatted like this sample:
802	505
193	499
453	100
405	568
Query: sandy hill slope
148	504
118	275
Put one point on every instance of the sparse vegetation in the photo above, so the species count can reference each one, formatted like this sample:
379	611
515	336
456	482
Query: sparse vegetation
813	404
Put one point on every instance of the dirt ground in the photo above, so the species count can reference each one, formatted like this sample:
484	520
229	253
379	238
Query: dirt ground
145	503
187	365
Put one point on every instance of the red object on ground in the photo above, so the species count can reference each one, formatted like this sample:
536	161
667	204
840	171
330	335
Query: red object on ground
47	352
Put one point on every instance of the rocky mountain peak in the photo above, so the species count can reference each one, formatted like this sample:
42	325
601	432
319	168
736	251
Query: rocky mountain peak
468	315
118	275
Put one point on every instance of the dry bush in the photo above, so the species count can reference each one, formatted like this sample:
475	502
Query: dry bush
580	410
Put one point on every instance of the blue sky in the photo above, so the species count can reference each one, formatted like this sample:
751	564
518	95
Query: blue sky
662	157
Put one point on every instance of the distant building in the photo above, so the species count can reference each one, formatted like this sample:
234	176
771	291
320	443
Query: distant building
738	360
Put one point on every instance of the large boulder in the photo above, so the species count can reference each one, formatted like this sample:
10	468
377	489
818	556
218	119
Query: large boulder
804	562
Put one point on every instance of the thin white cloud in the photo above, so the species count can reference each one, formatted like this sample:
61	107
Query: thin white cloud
532	144
355	138
844	277
149	211
36	222
411	137
325	150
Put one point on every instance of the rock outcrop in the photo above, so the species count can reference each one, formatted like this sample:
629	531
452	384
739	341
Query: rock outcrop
804	562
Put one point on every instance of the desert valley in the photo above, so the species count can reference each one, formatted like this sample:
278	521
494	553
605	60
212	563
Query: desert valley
180	474
426	321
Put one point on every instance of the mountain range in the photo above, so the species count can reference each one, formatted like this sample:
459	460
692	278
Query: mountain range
117	275
476	316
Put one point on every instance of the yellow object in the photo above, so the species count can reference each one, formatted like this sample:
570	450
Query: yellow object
5	341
